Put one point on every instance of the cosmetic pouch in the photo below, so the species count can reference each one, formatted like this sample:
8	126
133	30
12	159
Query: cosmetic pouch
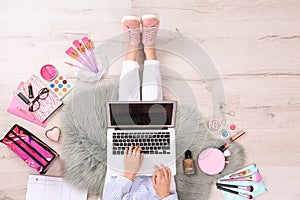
258	187
30	149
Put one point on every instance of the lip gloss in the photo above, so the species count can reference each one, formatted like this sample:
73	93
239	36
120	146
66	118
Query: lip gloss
236	136
30	93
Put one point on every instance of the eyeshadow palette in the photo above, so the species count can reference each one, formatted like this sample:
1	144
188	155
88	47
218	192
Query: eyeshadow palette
60	86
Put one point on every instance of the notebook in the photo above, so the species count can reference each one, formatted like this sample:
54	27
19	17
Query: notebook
18	108
52	188
48	105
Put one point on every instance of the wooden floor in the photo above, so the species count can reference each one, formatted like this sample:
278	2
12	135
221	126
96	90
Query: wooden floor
254	45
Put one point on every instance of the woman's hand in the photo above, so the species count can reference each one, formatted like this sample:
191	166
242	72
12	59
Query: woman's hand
133	160
161	181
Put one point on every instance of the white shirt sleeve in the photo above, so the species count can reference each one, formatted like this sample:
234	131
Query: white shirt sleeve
117	189
171	197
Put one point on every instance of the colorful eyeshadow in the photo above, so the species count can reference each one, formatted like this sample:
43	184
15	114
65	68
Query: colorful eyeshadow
224	134
232	127
60	86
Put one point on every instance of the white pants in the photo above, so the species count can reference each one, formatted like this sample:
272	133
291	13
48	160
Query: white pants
129	85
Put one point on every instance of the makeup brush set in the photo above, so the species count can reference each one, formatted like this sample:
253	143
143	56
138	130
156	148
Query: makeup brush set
84	56
245	183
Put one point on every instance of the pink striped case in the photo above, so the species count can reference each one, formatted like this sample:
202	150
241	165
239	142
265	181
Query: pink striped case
30	149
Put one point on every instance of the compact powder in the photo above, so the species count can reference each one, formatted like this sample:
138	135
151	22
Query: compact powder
211	161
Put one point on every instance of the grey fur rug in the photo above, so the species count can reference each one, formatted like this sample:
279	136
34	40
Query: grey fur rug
84	143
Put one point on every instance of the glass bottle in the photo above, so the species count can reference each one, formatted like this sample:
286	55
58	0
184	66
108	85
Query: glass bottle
188	163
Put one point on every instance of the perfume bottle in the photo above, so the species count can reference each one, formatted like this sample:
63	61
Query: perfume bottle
188	163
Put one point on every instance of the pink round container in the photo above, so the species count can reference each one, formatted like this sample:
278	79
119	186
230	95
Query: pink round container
211	161
48	72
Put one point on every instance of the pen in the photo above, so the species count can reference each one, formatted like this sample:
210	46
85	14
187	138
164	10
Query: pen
26	113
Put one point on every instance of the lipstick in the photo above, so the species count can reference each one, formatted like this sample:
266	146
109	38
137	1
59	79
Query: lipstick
30	92
223	147
23	98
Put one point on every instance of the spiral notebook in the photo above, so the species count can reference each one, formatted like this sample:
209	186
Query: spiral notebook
52	188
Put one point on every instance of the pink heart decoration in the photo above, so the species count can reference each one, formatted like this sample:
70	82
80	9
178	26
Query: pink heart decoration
53	133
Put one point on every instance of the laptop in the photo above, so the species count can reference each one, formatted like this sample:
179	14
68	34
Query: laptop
144	123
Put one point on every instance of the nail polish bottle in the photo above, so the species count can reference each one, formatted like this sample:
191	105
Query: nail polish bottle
188	163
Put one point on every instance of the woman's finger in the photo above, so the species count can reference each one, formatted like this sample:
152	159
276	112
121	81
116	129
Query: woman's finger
154	180
135	150
125	153
138	151
169	173
157	171
165	171
130	150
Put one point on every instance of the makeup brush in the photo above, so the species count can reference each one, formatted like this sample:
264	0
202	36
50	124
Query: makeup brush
240	174
74	54
248	196
80	67
256	177
248	188
73	65
81	49
88	44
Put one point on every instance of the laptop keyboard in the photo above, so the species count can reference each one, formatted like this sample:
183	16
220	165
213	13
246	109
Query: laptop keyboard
151	142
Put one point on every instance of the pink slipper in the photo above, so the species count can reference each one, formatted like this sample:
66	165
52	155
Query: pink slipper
131	27
150	24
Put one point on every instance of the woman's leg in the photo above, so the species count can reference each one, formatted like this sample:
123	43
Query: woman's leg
129	84
152	88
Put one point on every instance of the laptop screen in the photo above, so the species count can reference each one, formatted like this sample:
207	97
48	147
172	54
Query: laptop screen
142	114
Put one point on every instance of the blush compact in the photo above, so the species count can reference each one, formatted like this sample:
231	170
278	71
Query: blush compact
211	161
48	72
